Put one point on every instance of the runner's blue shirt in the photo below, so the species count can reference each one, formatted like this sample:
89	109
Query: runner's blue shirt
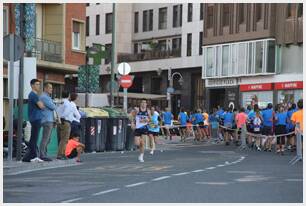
167	116
281	118
183	118
228	118
267	115
199	118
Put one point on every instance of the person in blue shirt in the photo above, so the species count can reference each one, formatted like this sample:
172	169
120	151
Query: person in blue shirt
182	117
153	128
47	120
268	116
280	128
199	121
35	115
228	123
248	109
290	127
167	117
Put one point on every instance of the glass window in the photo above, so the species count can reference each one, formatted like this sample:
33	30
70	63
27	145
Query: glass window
201	11
108	49
135	48
271	57
292	96
162	18
97	24
200	42
108	23
177	16
5	22
218	61
262	98
225	15
250	58
289	10
176	44
189	43
189	12
259	57
225	60
147	22
258	11
87	25
151	20
144	21
300	10
136	16
76	35
209	61
233	68
162	45
241	13
242	58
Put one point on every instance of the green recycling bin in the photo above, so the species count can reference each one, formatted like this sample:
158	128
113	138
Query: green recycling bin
94	129
116	129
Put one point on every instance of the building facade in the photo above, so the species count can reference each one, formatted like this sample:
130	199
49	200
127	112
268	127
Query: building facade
252	53
153	38
57	42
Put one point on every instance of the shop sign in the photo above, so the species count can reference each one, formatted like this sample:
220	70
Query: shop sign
221	82
255	87
288	85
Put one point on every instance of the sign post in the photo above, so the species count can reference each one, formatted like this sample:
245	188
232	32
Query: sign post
125	81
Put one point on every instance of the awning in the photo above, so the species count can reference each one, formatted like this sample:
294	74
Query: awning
142	96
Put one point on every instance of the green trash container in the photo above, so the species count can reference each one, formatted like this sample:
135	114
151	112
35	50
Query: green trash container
117	129
94	129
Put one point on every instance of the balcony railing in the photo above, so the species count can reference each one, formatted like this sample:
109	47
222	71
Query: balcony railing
149	55
47	50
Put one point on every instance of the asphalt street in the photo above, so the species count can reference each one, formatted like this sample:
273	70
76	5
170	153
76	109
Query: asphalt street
186	173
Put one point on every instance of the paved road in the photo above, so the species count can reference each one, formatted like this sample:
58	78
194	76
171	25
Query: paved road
182	173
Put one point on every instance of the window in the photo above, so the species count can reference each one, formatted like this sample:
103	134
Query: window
76	36
271	57
136	22
250	58
289	11
225	15
135	48
155	85
225	60
259	57
210	61
108	23
5	88
87	4
97	24
200	42
210	17
108	49
189	43
300	10
258	12
241	13
176	44
147	22
5	22
233	69
189	12
87	25
162	45
162	18
201	11
177	16
242	58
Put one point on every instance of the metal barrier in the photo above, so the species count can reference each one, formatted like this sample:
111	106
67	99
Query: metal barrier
298	156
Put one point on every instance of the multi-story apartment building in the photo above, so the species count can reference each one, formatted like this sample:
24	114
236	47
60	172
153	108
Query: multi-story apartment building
153	38
58	42
252	53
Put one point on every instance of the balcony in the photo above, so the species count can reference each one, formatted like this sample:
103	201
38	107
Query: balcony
149	55
47	50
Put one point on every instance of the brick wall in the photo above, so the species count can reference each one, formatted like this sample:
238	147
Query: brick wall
74	11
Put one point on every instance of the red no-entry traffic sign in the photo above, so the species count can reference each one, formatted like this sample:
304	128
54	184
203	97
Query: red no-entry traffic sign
126	81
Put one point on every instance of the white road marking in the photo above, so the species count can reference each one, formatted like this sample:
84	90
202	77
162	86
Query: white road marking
136	184
212	183
161	178
195	171
210	168
72	200
106	191
220	165
183	173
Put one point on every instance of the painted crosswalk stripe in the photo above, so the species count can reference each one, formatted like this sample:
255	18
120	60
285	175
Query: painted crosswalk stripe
161	178
72	200
136	184
183	173
220	165
195	171
210	168
106	191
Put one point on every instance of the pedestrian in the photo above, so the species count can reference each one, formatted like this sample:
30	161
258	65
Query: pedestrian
167	117
268	115
206	125
153	129
228	124
241	119
35	107
74	148
219	116
75	124
66	114
297	118
47	121
290	127
182	118
142	121
257	128
280	129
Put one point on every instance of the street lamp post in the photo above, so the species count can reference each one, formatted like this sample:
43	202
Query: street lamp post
170	79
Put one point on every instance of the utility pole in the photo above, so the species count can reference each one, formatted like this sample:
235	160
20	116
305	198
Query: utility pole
21	86
113	56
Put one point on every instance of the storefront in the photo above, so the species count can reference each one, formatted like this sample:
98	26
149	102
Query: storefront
289	91
260	94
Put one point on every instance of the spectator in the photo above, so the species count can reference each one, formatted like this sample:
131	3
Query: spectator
34	111
241	119
74	148
65	112
47	120
280	129
76	124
